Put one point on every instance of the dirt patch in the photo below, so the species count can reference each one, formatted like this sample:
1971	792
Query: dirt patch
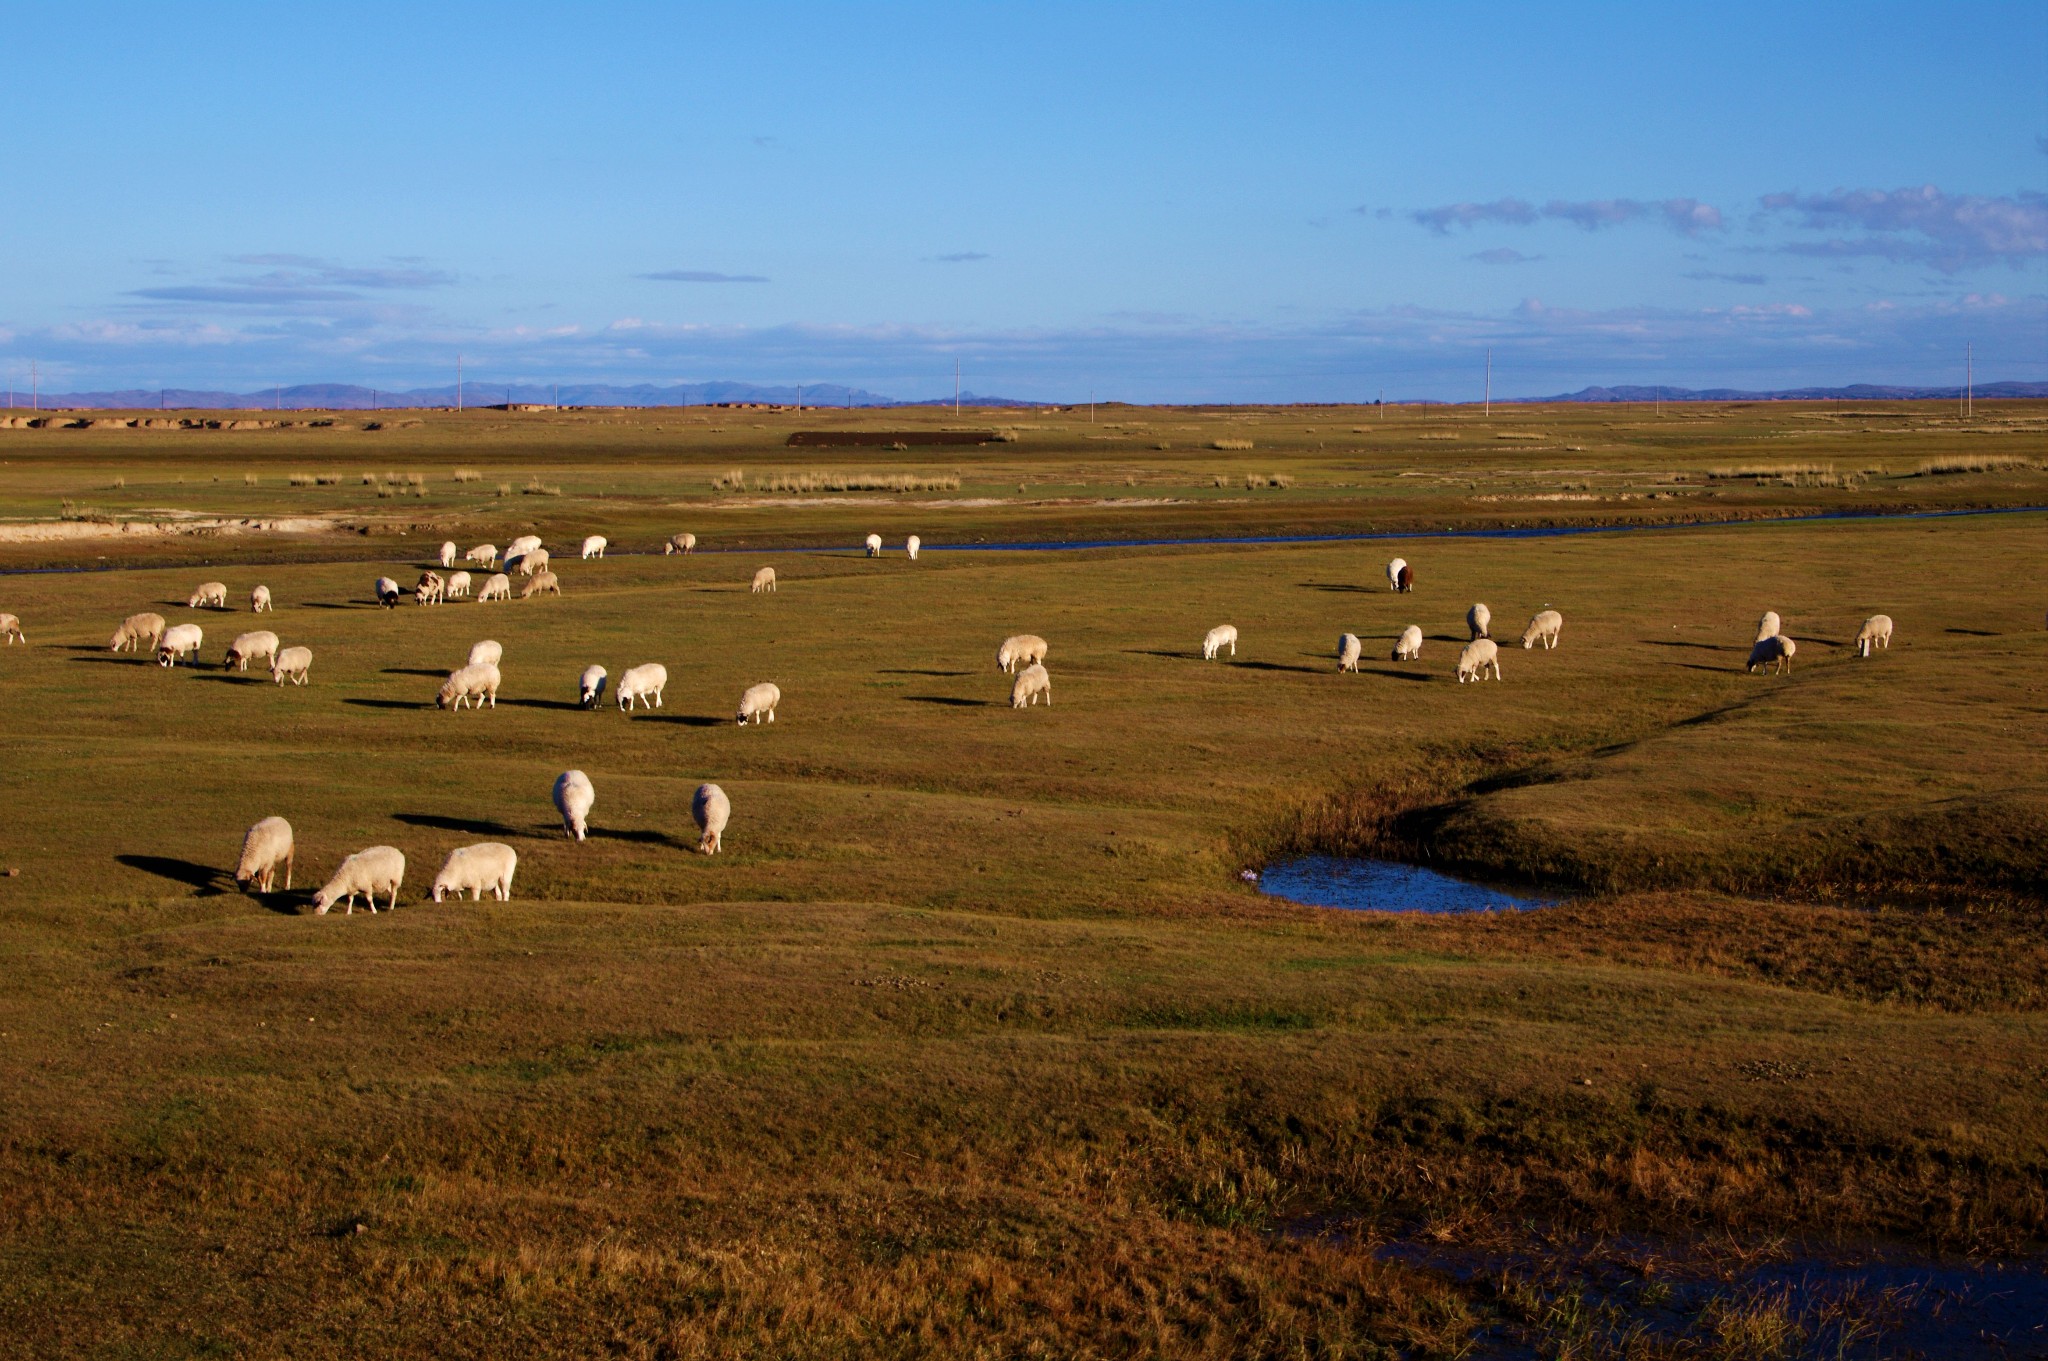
54	531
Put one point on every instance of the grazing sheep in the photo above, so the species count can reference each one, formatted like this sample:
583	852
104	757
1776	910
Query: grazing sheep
176	641
213	593
712	810
448	552
1394	570
594	546
758	700
432	590
268	845
1409	645
489	652
527	563
1774	653
294	662
1480	656
1348	650
259	601
1020	650
469	687
249	646
590	686
573	798
1543	627
134	629
679	543
543	583
764	580
1031	682
458	585
369	872
497	586
639	682
483	555
1218	638
874	545
1478	619
911	545
10	629
525	543
1407	579
486	866
1875	633
387	593
1768	626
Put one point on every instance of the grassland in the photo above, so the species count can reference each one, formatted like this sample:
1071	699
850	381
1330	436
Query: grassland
974	1042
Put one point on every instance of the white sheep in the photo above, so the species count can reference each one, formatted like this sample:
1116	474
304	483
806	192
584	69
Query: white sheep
573	797
594	546
543	583
1394	571
134	629
1218	638
1543	628
489	652
590	686
911	545
469	687
764	581
267	845
294	662
1479	619
432	590
639	682
448	553
1480	656
1875	633
387	593
380	869
458	585
679	543
1031	682
1768	625
1348	651
1020	650
483	555
249	646
259	601
213	593
758	700
525	543
712	810
176	641
874	545
1774	653
1409	645
527	563
487	866
497	586
10	629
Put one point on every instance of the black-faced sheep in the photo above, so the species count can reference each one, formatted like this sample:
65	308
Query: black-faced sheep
590	686
178	640
760	700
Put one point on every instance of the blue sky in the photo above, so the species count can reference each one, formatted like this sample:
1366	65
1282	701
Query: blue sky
1151	202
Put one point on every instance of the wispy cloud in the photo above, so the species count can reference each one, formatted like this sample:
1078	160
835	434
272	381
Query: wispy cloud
701	276
293	280
1503	255
1718	277
960	257
1686	216
1924	225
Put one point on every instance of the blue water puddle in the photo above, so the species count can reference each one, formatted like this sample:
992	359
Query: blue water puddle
1385	886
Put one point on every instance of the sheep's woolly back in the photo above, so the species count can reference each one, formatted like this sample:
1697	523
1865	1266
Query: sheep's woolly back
590	686
1020	649
267	845
497	587
574	795
1409	645
764	580
489	652
1031	682
1394	572
469	685
135	628
712	810
1479	619
1348	651
1768	626
1875	633
294	662
543	583
760	700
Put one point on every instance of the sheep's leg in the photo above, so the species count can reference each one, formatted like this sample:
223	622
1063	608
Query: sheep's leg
289	857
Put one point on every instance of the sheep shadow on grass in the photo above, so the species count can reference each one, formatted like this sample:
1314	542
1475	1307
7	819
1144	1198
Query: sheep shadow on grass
390	703
641	836
413	671
1282	666
914	671
138	659
207	881
686	720
1337	587
1674	642
1193	654
950	701
440	823
1974	633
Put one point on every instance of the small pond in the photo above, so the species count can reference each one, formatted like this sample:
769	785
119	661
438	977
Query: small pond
1385	886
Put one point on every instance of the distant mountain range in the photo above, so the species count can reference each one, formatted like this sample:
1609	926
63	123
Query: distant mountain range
348	397
1857	392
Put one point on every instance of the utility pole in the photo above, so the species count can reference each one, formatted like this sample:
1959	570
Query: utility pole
458	384
956	387
799	399
1091	406
1489	380
35	393
1969	380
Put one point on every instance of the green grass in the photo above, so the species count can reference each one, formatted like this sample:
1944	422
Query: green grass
973	1042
